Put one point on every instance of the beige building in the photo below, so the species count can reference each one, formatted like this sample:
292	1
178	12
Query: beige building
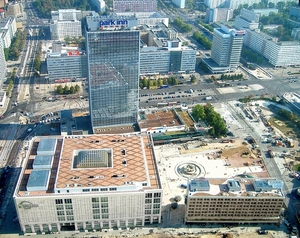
88	183
234	201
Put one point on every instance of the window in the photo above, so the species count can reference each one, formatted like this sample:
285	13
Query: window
69	212
112	189
59	207
104	205
96	211
103	189
68	200
95	205
61	218
148	195
95	199
104	199
70	218
95	189
97	216
157	195
147	211
85	190
149	200
104	216
156	200
58	201
68	206
104	210
60	213
156	205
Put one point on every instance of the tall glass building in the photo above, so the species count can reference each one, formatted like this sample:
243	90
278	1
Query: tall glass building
113	71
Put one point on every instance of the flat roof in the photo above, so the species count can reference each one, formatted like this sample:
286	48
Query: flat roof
132	161
42	160
38	179
247	187
158	118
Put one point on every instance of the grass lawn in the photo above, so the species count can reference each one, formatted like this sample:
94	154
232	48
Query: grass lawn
285	127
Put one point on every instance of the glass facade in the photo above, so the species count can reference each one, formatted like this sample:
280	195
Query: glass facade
113	65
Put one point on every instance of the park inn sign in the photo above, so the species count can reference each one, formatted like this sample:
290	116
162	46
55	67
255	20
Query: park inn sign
113	23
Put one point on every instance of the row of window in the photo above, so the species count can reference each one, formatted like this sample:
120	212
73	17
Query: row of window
230	199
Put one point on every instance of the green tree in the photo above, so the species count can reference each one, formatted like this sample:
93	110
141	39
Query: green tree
66	89
198	112
193	79
77	88
59	89
72	90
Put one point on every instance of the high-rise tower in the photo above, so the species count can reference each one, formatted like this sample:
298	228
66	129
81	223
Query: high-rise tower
2	63
113	72
227	46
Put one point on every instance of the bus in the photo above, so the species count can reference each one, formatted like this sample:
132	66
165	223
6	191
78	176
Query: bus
162	104
172	103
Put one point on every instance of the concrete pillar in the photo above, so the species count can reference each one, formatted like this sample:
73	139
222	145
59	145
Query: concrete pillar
84	225
143	222
126	223
159	218
109	224
41	227
32	229
58	227
76	226
151	220
93	225
118	223
101	224
23	229
50	227
134	222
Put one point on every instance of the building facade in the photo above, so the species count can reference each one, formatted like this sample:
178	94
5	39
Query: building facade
121	6
69	65
8	29
234	201
218	14
161	60
120	190
279	54
2	63
60	29
113	72
247	19
227	46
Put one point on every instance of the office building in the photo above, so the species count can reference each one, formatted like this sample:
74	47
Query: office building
8	29
179	3
265	11
88	183
247	20
113	72
14	9
99	5
226	50
234	201
279	54
60	29
67	65
123	6
65	22
218	14
2	63
66	15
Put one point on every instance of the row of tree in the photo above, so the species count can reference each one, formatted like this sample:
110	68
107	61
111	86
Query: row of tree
251	56
67	90
232	76
290	117
181	25
213	119
149	83
11	81
202	40
37	59
80	40
206	26
44	8
16	46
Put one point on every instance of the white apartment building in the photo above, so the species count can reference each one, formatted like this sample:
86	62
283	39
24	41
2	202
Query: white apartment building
60	29
2	64
279	54
218	14
86	183
247	19
70	65
66	15
99	5
161	60
237	200
8	29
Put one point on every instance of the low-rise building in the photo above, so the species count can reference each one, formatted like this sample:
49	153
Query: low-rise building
238	200
88	183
